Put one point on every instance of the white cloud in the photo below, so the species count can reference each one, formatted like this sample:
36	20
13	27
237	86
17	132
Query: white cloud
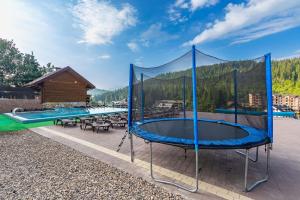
104	57
196	4
248	21
155	35
177	11
101	21
181	4
133	46
175	15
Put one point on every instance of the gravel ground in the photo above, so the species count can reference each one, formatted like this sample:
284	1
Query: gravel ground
34	167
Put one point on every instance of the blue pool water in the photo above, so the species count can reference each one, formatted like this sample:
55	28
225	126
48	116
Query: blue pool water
37	116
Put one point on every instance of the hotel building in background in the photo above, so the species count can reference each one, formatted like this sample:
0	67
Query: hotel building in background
284	102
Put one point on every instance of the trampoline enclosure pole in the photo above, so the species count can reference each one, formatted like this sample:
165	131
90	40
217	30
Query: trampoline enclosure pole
194	79
142	97
195	113
269	95
130	109
184	97
235	94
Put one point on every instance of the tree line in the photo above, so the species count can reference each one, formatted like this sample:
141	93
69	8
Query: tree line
285	76
17	68
215	86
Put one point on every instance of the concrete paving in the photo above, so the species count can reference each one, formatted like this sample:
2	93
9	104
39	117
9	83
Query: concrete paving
222	171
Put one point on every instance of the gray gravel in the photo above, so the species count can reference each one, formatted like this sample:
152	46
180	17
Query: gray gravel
34	167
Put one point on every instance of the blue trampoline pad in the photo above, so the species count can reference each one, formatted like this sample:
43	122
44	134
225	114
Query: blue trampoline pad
212	134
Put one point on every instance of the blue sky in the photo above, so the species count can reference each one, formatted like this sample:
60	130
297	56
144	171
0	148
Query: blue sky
101	38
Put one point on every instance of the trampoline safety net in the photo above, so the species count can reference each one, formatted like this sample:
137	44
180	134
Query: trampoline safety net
233	91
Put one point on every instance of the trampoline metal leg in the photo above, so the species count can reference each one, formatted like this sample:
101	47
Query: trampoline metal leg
172	183
265	179
255	159
131	146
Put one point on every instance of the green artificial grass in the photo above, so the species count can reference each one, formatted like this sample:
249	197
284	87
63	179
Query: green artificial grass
9	124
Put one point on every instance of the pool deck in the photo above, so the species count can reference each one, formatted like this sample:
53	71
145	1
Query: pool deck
222	171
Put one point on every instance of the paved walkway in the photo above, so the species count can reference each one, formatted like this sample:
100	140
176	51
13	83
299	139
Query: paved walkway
222	171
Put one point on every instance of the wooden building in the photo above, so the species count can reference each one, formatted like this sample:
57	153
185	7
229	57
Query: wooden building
63	86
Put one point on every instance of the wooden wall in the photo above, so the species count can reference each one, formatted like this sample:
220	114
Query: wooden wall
64	88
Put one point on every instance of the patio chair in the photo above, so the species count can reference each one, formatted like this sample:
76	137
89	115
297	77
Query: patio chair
68	122
55	121
103	124
97	117
120	122
85	122
105	117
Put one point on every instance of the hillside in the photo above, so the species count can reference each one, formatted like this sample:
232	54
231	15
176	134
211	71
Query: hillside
286	76
109	96
95	92
286	80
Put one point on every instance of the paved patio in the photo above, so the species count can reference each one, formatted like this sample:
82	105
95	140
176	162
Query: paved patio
222	171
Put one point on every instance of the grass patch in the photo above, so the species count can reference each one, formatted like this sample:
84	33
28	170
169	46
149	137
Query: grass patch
9	124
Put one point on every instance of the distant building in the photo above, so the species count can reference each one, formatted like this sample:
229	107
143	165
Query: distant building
169	104
256	100
281	102
287	101
63	87
120	104
277	99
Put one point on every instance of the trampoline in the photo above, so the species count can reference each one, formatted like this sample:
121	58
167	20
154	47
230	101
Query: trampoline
195	102
212	134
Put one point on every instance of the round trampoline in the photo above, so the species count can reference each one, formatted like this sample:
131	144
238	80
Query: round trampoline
212	134
233	99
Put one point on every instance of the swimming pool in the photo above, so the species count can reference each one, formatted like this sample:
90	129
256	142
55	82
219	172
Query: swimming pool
38	116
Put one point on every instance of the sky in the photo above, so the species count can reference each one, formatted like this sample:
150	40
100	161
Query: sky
100	38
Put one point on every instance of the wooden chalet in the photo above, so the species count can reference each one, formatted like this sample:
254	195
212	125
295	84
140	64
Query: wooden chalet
64	85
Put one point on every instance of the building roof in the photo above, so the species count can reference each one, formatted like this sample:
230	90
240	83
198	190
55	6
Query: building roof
47	76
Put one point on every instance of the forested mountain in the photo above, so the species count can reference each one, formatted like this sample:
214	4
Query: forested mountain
109	96
215	84
286	80
95	92
286	76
